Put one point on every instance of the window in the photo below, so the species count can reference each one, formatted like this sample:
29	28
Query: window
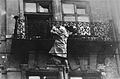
42	9
76	78
81	11
34	77
69	18
37	15
83	18
78	11
38	7
43	77
30	7
68	9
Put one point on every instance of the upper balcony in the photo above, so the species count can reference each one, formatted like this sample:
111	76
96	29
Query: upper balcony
84	31
91	35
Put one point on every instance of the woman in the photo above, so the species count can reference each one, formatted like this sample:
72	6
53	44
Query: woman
60	45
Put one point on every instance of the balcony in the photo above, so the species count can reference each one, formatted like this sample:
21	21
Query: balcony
90	31
90	35
86	38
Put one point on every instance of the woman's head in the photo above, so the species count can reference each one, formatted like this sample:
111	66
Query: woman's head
70	28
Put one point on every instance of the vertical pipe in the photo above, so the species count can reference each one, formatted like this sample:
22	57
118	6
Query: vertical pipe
21	10
115	13
2	25
118	60
2	17
5	17
5	25
57	11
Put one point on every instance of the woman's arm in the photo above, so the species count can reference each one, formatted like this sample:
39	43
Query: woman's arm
55	30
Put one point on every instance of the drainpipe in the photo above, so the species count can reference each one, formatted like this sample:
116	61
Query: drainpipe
57	10
115	25
118	60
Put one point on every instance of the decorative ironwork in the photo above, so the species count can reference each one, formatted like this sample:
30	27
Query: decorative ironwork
84	28
21	29
103	31
70	24
80	30
19	32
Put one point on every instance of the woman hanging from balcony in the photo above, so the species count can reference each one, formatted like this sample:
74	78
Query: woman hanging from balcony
59	49
60	35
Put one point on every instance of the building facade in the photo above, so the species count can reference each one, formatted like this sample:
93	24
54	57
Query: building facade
93	47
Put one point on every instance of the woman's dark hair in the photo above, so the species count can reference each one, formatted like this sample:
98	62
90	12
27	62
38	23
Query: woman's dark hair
71	29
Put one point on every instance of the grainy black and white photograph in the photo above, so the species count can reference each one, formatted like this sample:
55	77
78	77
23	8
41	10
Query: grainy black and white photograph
59	39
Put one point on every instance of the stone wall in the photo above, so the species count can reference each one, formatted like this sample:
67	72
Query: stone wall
111	68
100	11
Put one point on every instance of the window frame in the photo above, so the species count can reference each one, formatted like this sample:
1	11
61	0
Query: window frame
80	4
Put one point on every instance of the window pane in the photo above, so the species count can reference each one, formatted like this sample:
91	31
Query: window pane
34	77
69	18
68	9
49	77
83	19
43	8
30	7
76	78
81	11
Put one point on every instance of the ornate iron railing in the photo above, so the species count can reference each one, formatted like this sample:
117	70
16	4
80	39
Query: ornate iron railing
19	31
92	31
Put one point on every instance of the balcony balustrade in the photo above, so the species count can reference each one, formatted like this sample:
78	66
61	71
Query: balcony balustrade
91	31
